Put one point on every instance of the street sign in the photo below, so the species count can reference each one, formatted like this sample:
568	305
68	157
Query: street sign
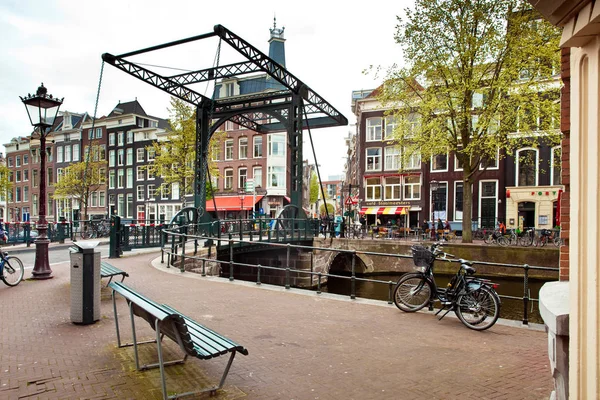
348	201
249	185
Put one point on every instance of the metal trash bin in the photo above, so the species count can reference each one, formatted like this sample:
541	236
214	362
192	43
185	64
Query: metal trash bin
85	283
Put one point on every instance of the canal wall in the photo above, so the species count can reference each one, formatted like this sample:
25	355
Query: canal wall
367	264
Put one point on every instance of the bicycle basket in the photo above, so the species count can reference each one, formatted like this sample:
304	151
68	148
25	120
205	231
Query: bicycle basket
422	257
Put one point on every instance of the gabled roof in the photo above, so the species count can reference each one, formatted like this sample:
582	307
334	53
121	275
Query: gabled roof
131	107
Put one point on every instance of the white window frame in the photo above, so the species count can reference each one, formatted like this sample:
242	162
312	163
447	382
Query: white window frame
102	199
129	205
367	156
257	183
228	179
481	182
241	146
370	190
373	134
411	159
255	147
229	146
140	173
390	124
439	170
151	153
431	198
412	185
120	157
151	192
112	179
393	186
242	182
129	178
121	178
129	156
120	138
111	158
140	190
67	153
98	133
111	139
391	158
129	137
59	154
455	211
76	152
279	173
497	162
537	165
140	152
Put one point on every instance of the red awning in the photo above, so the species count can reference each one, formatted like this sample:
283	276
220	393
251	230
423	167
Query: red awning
231	203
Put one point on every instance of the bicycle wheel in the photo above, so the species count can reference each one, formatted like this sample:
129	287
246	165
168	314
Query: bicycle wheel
525	241
488	238
558	242
479	309
13	271
412	293
503	241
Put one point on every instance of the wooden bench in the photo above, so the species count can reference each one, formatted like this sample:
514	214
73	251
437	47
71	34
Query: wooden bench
193	338
109	271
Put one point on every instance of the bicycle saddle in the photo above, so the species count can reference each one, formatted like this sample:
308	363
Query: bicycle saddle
467	266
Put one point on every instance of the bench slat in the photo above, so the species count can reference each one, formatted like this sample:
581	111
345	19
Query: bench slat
107	270
207	341
139	300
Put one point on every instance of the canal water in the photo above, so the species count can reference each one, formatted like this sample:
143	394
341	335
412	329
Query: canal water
510	309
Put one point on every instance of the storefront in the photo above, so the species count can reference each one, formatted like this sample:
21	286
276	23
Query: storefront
532	207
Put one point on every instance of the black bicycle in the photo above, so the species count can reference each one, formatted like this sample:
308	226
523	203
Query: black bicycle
11	269
473	300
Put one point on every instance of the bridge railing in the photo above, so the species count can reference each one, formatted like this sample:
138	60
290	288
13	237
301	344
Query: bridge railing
177	255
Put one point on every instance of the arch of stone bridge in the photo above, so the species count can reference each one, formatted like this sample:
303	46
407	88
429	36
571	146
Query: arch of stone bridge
342	261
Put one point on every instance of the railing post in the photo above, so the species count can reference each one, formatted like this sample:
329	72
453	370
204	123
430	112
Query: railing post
287	268
258	276
182	262
525	294
319	283
390	292
115	237
241	232
203	267
260	232
230	257
353	278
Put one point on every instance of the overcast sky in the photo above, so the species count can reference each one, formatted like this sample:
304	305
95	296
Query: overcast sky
60	43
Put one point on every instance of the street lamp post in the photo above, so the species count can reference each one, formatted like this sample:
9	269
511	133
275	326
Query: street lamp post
42	109
242	198
433	185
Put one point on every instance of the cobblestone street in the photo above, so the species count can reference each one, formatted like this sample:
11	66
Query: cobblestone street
301	345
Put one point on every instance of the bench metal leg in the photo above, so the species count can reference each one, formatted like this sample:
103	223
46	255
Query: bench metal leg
109	283
119	344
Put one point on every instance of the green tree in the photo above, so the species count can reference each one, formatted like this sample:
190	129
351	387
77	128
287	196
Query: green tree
477	72
175	157
330	209
78	181
314	188
5	183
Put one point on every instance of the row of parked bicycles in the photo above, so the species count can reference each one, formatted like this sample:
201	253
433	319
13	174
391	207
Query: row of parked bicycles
526	238
93	229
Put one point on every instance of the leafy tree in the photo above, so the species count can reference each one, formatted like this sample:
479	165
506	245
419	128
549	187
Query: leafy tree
175	157
477	72
330	209
314	188
79	180
5	184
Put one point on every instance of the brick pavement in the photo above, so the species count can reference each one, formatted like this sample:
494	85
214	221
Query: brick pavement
301	346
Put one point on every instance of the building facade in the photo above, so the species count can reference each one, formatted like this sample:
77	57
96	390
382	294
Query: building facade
521	187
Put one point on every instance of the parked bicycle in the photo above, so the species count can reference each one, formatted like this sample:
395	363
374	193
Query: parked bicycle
473	300
11	269
543	238
493	237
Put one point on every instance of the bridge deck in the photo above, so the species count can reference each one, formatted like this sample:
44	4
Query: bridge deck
301	346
